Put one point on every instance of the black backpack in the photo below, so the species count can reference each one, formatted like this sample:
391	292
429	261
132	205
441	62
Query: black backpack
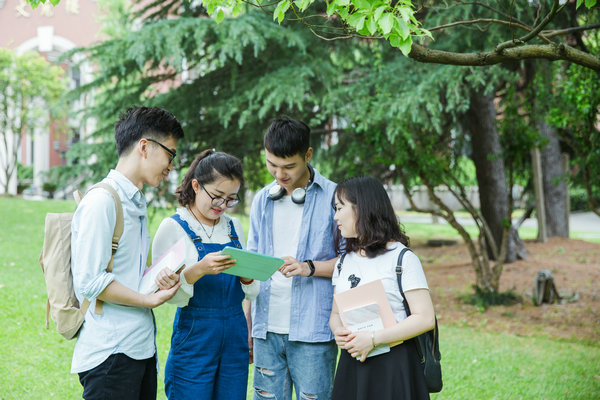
428	345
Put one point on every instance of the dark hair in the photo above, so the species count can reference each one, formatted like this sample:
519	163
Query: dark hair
137	122
287	137
206	168
376	221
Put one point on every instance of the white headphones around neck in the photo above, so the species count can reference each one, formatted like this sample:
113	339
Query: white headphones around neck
277	191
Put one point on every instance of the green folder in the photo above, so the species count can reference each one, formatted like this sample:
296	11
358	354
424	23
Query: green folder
252	265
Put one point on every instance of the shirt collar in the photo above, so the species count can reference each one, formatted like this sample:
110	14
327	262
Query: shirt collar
131	191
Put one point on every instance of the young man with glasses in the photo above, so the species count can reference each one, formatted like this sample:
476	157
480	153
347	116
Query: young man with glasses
115	352
292	218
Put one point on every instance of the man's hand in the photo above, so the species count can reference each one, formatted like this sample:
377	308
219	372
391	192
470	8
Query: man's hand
292	267
157	298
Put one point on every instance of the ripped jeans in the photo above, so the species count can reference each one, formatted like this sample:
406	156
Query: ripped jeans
280	363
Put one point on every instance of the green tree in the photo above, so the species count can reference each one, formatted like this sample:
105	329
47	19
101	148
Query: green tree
30	90
224	81
398	22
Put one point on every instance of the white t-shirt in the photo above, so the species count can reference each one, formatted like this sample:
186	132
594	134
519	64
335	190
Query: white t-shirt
287	218
382	267
169	232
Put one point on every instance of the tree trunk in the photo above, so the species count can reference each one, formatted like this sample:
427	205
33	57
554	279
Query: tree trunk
553	182
555	187
480	121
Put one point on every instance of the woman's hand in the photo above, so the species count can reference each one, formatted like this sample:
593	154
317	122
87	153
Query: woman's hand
166	279
214	263
341	336
359	344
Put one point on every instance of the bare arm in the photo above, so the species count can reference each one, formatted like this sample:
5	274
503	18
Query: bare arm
338	329
422	319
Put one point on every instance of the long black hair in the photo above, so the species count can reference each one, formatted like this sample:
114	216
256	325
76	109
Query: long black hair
376	222
206	168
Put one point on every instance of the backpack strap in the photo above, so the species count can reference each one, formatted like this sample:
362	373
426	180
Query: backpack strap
232	233
399	277
339	266
118	232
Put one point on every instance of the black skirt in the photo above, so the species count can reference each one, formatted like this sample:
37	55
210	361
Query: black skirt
395	375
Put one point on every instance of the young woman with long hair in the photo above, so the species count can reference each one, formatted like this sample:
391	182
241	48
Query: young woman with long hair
371	238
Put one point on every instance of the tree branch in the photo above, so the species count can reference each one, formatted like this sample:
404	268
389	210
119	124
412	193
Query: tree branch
549	17
488	20
552	52
550	34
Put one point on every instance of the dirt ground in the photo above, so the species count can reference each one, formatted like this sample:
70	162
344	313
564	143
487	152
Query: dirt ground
576	268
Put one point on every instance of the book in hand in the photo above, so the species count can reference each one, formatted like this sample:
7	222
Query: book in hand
251	265
365	318
364	294
173	259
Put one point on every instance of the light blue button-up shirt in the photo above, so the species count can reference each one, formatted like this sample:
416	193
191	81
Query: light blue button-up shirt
119	329
311	297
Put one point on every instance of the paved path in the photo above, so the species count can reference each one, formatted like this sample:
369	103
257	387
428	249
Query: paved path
581	222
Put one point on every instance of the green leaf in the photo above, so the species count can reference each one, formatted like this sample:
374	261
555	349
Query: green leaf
402	28
210	7
302	4
406	46
386	23
237	9
371	25
280	10
362	4
344	3
590	3
361	23
405	12
220	15
579	3
379	12
54	2
331	8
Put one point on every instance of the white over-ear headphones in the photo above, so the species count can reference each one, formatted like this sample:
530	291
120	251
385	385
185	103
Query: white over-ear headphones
277	191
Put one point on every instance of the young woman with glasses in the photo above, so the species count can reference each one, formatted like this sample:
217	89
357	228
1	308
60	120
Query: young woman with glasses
209	352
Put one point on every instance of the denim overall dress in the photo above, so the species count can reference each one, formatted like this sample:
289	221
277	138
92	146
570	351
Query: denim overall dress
208	358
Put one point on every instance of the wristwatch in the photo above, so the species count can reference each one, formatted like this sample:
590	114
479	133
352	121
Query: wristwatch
311	265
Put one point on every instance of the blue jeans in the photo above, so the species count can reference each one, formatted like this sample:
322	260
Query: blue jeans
280	363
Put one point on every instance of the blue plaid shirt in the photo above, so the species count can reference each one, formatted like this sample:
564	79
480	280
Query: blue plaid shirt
311	297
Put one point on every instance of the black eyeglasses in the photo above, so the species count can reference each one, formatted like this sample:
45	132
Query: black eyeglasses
218	201
172	153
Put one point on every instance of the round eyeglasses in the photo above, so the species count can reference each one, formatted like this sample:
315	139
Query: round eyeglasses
218	201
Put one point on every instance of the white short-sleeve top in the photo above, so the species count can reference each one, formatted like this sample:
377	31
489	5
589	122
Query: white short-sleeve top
363	270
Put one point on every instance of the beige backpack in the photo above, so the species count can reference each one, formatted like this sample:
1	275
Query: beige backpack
62	304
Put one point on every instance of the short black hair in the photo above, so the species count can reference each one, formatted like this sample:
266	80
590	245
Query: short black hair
287	137
138	122
376	221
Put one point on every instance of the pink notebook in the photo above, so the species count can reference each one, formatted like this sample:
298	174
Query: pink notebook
172	259
363	295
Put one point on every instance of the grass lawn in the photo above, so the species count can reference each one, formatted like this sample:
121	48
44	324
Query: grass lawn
35	362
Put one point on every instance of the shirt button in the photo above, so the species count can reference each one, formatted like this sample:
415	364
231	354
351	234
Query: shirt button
264	309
